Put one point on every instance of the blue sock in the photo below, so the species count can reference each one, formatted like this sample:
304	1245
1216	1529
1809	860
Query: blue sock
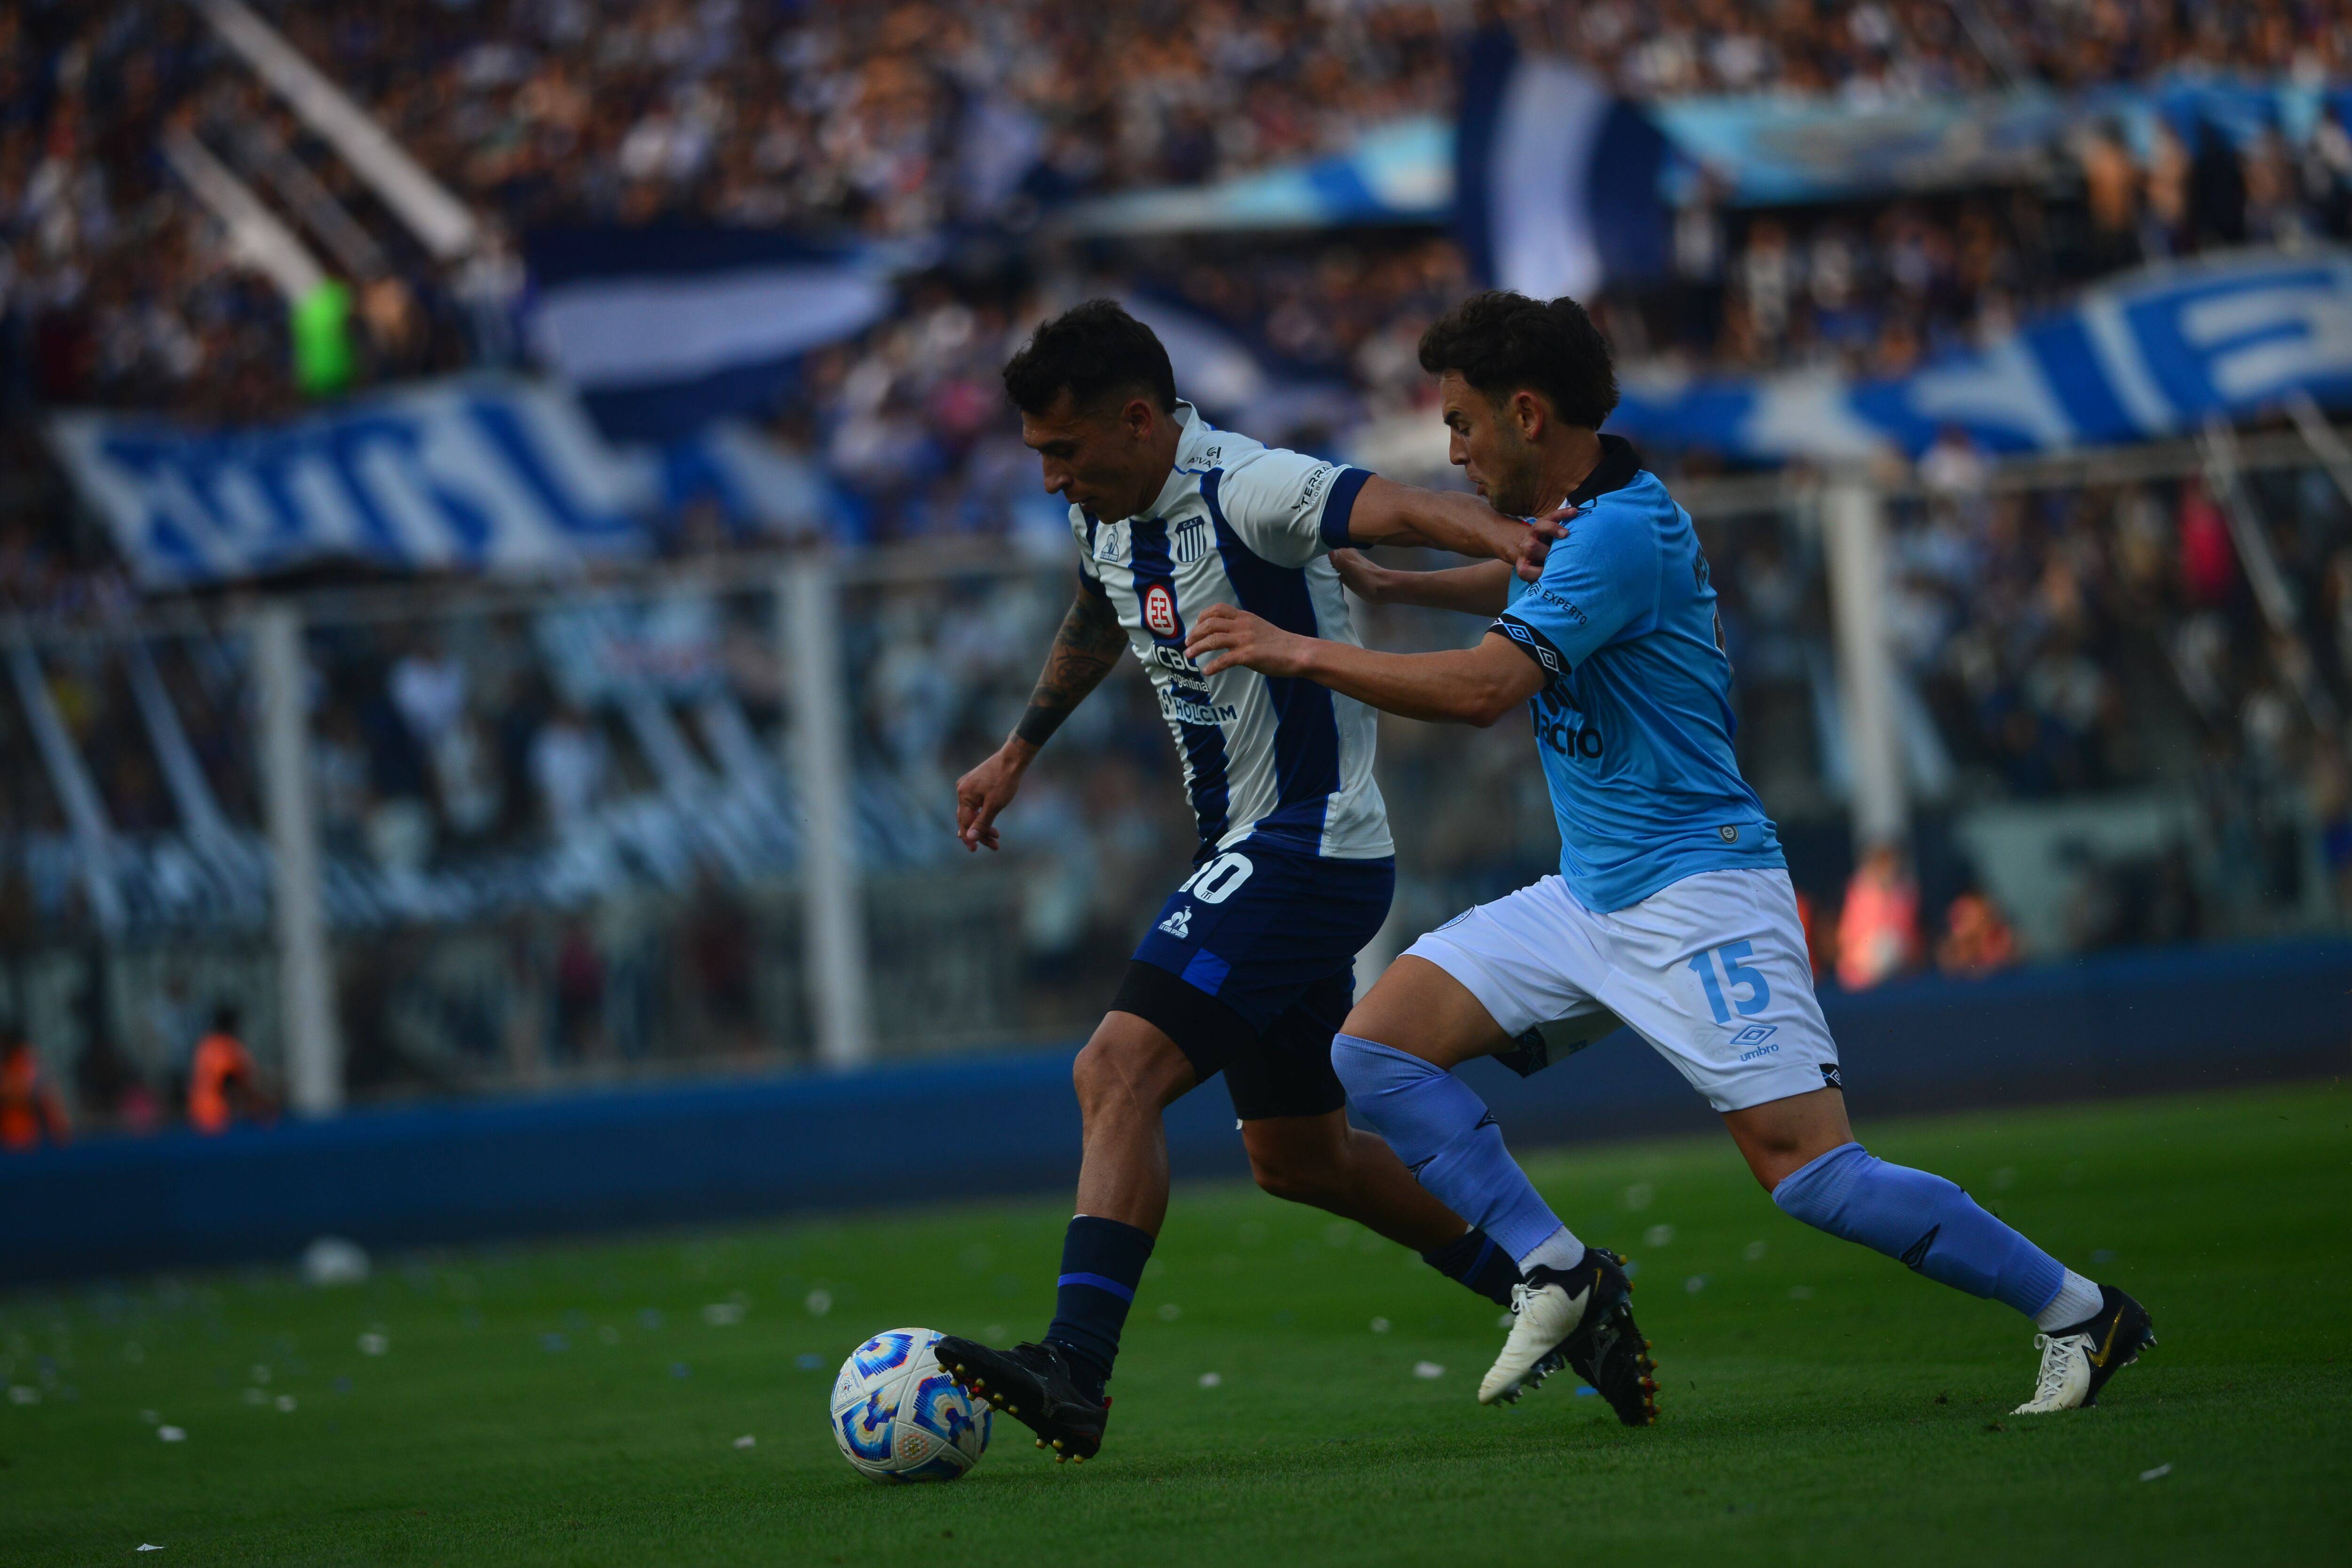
1446	1137
1475	1260
1924	1220
1102	1263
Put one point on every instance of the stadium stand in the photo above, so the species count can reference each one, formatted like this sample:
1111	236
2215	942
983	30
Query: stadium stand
2088	639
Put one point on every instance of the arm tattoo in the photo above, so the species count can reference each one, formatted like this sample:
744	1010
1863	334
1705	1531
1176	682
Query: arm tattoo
1086	649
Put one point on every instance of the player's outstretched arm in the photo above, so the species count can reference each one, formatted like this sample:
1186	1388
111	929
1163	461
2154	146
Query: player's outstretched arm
1084	649
1386	512
1481	590
1471	686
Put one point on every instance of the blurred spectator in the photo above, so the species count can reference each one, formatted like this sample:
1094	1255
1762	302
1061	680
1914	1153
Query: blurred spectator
2209	561
1820	936
579	995
1976	940
1878	930
568	762
31	1110
719	935
224	1085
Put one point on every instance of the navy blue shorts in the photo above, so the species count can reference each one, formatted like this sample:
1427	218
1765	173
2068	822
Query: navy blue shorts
1250	966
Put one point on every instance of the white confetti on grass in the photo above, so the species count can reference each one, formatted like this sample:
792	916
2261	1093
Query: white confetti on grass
722	1314
374	1344
147	1546
1427	1369
1170	1312
285	1402
1210	1379
24	1394
1658	1236
171	1434
2157	1473
1753	1251
819	1302
746	1441
1380	1325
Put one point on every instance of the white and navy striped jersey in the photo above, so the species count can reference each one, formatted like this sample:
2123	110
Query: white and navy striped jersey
1244	524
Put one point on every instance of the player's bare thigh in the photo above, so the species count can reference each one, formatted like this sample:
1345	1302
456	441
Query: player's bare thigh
1420	1010
1781	1137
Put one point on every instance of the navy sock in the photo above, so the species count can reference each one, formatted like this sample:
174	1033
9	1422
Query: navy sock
1473	1258
1102	1263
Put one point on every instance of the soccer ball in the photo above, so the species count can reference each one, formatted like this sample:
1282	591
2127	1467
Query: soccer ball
899	1417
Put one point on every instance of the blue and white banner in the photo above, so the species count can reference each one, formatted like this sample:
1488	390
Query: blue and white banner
478	474
1777	150
2150	353
665	329
1556	180
1398	173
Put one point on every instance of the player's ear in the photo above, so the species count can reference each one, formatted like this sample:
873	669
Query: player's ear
1528	415
1137	417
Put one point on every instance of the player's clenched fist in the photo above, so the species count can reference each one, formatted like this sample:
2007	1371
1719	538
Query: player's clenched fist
1235	637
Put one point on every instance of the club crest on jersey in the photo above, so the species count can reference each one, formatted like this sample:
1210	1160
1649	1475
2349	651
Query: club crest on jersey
1191	540
1160	610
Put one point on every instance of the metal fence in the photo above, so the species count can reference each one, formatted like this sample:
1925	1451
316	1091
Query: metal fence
471	837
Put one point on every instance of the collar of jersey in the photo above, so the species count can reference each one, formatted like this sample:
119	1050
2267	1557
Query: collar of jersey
1619	465
1187	451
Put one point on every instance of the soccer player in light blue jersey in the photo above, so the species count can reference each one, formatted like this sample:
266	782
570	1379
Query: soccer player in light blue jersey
1248	969
1671	911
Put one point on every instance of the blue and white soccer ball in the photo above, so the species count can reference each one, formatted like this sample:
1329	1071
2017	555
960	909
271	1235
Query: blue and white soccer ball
899	1417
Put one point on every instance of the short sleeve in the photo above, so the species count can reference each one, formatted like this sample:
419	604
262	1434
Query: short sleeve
1288	507
1599	581
1089	577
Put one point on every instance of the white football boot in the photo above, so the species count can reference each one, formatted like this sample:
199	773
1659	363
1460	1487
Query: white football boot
2076	1361
1576	1317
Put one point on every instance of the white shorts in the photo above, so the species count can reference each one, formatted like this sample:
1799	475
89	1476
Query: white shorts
1712	971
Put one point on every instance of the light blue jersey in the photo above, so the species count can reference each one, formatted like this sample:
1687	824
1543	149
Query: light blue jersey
1634	721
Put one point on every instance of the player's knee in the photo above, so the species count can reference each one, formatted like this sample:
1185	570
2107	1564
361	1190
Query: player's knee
1296	1180
1114	1073
1096	1077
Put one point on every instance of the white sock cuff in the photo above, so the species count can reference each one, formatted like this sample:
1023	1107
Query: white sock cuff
2076	1299
1561	1249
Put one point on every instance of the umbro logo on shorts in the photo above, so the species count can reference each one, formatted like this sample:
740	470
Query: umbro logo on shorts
1830	1078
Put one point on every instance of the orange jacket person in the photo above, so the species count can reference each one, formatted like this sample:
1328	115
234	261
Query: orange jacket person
28	1106
222	1082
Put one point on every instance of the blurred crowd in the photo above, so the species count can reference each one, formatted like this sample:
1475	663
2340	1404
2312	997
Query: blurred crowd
2056	644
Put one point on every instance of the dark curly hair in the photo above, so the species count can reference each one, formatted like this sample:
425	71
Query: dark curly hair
1094	351
1502	342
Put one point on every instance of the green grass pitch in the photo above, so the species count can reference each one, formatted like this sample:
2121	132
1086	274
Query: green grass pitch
586	1403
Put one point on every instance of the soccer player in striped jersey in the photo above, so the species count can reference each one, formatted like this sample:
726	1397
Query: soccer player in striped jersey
1249	967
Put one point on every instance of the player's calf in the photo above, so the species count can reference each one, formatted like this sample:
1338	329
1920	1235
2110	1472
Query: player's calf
1931	1226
